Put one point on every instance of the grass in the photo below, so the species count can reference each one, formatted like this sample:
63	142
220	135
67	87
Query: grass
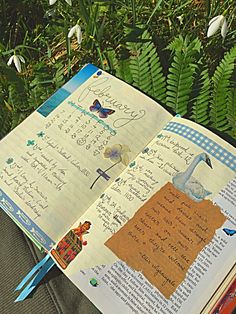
113	38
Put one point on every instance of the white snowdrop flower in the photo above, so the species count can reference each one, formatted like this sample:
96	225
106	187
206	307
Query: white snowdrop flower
77	31
51	2
17	59
180	18
215	23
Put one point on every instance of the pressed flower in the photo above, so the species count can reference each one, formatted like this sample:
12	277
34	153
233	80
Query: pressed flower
215	23
77	31
51	2
17	59
118	153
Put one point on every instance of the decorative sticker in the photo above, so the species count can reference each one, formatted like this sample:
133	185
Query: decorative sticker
71	245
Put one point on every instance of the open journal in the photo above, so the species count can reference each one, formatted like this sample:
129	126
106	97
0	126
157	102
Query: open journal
136	207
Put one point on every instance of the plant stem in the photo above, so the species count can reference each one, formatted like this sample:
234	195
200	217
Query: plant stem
154	11
208	8
133	11
68	47
104	172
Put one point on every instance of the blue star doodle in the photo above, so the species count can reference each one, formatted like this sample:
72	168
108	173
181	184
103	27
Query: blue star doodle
41	134
30	142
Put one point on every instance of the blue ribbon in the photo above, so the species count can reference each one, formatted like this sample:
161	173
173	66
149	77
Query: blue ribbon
43	268
33	270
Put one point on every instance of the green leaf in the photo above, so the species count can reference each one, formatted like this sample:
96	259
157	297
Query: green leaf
200	108
181	73
145	66
231	114
221	91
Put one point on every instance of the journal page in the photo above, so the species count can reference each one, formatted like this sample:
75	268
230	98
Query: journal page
164	230
56	163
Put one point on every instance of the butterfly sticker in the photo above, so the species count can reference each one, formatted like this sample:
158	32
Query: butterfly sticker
229	232
103	112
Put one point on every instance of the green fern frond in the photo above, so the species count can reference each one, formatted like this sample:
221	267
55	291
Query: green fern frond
180	77
177	44
185	45
221	88
231	116
119	66
123	71
145	67
200	109
193	46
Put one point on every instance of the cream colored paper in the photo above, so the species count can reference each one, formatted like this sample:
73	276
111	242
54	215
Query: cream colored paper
48	164
167	154
119	289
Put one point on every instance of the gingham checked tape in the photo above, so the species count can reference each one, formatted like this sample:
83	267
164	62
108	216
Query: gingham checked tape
210	146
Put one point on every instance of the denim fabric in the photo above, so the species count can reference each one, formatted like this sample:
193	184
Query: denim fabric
56	294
